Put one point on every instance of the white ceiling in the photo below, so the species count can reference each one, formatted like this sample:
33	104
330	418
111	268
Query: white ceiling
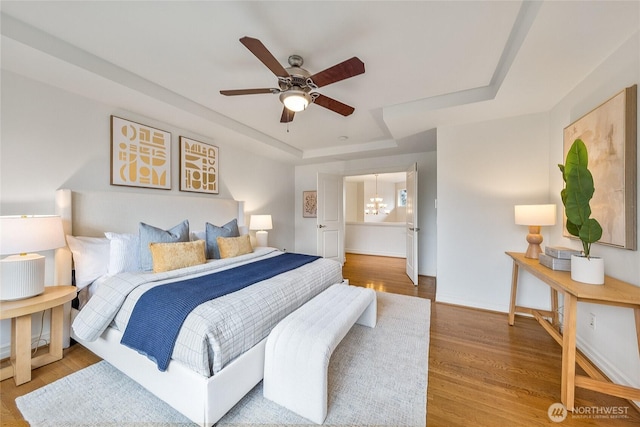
428	63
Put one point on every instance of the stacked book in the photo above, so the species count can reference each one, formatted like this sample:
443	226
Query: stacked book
557	257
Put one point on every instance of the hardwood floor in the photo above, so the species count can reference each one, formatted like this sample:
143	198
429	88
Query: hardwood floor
386	274
482	372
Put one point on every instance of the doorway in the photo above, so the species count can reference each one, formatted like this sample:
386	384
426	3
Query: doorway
375	228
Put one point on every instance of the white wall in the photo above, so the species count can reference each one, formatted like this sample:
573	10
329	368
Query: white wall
380	238
54	139
486	168
613	345
306	179
353	201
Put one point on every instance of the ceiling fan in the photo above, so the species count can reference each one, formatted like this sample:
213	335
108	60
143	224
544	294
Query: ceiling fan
296	86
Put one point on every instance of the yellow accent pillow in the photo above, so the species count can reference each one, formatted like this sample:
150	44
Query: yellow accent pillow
234	246
171	256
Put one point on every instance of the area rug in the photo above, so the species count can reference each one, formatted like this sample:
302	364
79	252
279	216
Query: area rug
377	377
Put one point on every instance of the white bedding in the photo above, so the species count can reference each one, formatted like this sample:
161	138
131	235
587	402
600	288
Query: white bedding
217	331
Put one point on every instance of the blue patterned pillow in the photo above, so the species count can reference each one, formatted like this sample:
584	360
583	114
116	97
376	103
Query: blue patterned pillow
151	234
230	229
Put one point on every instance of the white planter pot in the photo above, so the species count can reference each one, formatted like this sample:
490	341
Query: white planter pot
587	270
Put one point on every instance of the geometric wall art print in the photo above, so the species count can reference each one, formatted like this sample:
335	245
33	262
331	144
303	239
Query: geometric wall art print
199	166
140	155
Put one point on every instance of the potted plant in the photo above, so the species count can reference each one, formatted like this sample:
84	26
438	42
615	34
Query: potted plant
576	195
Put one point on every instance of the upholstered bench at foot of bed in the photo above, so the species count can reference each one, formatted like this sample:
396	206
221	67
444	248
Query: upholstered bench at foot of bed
298	349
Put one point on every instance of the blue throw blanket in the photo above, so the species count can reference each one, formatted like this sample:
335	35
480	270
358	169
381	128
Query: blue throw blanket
159	313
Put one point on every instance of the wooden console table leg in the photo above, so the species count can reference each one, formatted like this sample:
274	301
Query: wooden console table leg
57	326
636	311
21	348
514	291
554	309
567	393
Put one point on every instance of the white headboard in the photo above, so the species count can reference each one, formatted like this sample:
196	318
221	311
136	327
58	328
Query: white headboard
94	212
91	213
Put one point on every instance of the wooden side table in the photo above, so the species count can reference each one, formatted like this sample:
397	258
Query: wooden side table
20	311
614	292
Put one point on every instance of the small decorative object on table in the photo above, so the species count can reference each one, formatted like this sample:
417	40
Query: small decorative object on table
557	258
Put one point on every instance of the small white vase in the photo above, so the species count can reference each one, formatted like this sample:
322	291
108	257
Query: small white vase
587	270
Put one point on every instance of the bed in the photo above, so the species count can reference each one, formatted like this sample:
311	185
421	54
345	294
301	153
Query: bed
222	373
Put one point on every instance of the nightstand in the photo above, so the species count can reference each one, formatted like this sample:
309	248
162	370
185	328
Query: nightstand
20	311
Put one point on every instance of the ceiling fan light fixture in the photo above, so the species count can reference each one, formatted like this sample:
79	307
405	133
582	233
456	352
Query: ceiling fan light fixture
295	100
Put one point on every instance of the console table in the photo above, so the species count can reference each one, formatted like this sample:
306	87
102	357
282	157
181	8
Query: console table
613	292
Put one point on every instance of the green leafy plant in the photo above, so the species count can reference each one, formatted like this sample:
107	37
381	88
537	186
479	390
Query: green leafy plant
576	194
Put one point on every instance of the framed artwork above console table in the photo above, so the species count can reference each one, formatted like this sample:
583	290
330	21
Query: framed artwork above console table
610	135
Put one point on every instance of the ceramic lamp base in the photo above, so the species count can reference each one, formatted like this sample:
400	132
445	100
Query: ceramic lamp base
22	276
262	238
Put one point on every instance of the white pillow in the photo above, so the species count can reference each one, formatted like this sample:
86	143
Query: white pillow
124	252
90	257
197	235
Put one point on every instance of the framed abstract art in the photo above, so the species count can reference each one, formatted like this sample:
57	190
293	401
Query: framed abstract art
610	135
309	204
199	166
140	155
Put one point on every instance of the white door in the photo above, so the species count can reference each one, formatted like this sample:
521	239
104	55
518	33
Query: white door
330	233
412	223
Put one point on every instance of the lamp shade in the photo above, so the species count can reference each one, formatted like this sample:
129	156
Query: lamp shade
535	214
33	233
260	222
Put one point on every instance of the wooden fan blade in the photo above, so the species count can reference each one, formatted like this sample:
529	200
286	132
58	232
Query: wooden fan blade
247	91
262	53
333	105
287	115
344	70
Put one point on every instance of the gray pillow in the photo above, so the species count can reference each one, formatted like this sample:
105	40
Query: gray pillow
230	229
151	234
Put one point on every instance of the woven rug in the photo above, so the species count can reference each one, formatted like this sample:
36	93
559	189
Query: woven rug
377	377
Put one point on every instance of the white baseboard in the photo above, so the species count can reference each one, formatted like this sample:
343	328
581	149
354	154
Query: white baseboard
613	373
453	300
5	348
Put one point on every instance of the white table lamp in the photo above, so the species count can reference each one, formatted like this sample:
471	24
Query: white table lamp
535	216
22	273
261	223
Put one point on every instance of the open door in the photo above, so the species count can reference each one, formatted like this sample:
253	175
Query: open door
412	223
330	232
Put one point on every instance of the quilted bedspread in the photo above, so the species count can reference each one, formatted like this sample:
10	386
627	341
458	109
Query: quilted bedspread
217	331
